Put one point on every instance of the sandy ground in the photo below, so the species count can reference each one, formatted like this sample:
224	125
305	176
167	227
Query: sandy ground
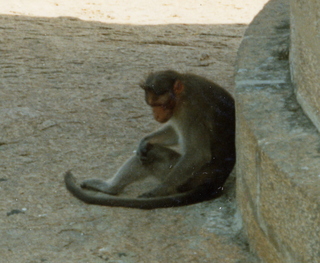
69	99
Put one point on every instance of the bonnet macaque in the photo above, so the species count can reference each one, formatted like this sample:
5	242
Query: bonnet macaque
198	116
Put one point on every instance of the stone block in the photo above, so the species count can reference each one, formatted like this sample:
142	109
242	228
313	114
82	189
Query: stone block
278	148
305	56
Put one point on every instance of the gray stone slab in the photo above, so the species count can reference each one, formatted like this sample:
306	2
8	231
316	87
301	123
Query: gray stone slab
278	147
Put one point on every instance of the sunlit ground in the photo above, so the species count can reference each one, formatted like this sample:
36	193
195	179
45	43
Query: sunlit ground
140	11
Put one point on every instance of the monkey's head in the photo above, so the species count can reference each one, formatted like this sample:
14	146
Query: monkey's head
162	92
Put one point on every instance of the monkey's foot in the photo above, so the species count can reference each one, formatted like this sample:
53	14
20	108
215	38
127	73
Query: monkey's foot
98	185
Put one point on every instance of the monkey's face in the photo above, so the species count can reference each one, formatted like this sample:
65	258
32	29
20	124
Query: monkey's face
162	105
162	114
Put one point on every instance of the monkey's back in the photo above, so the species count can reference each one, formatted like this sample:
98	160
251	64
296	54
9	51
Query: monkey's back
218	113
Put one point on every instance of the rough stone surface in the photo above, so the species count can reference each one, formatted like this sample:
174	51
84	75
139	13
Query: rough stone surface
69	99
278	156
305	56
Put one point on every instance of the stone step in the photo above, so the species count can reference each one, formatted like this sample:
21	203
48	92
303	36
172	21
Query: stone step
278	154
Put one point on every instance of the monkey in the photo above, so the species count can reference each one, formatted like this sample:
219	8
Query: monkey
198	118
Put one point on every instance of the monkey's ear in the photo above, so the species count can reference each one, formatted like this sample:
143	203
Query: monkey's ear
178	87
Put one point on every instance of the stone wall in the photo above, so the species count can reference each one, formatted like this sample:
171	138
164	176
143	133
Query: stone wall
278	147
305	56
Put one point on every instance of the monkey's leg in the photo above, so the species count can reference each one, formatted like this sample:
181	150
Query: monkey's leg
132	170
160	161
165	160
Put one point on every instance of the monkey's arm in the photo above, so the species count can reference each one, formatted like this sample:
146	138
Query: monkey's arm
165	136
196	153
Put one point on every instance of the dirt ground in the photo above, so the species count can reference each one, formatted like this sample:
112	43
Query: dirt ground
69	75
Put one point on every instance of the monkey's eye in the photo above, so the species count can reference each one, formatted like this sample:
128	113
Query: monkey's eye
162	92
155	91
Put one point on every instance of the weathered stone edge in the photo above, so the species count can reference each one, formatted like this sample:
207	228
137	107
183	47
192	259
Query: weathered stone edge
278	148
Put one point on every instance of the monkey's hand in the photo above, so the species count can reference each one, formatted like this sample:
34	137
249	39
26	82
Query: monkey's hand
143	152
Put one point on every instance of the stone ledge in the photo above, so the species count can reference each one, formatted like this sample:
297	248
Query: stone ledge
305	56
278	147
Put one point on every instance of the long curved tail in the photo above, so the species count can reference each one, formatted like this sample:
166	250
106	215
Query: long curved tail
193	196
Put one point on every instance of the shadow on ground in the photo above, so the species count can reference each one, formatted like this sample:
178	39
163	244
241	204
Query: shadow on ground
70	100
